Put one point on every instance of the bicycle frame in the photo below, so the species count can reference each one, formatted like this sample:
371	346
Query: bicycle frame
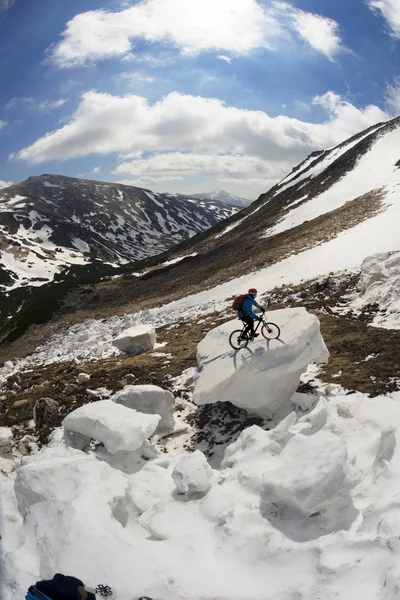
245	328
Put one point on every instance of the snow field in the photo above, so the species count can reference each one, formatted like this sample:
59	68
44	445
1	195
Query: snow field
309	506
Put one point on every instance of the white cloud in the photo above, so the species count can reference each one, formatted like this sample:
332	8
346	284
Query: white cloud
193	163
2	124
96	170
390	11
104	124
321	33
225	58
4	184
393	97
146	181
236	26
136	77
346	117
19	101
207	79
6	4
47	106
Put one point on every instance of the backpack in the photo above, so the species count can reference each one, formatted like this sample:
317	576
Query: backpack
237	303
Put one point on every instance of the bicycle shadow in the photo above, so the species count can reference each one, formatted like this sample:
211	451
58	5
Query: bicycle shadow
249	353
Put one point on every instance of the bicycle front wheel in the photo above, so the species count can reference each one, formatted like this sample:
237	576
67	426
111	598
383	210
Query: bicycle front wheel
236	341
270	331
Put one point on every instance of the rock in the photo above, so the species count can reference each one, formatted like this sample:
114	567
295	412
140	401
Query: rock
151	400
83	377
71	388
21	403
26	445
6	436
117	427
9	365
136	340
45	410
130	378
193	474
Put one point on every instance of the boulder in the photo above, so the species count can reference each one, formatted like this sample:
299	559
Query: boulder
136	340
151	400
117	427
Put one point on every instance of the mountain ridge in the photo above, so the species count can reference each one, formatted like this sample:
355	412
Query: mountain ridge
50	221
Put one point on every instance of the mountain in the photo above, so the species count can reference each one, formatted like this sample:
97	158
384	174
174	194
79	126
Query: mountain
225	197
51	221
336	208
246	423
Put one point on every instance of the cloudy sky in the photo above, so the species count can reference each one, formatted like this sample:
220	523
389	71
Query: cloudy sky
190	95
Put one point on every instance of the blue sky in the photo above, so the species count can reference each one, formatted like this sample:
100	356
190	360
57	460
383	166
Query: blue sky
189	96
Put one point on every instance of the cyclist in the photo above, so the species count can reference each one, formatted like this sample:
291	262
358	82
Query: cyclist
246	313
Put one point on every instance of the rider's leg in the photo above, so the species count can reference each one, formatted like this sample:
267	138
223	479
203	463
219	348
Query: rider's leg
249	325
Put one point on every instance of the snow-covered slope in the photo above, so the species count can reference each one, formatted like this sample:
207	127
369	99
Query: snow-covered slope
224	197
50	221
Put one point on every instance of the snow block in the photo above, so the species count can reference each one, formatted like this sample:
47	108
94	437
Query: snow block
151	400
118	427
6	436
136	340
311	471
262	377
193	474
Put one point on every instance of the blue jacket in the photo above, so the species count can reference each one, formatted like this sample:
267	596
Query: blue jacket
247	308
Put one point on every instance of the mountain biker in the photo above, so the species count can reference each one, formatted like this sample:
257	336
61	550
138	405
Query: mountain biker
246	313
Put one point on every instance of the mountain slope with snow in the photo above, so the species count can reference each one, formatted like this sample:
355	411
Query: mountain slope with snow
224	197
50	221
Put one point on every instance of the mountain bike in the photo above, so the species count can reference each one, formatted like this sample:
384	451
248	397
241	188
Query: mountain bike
241	337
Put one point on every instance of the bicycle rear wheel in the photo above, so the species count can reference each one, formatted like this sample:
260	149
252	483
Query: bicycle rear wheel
270	331
236	341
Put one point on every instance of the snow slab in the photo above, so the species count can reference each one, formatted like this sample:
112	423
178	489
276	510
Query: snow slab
226	375
136	340
380	284
67	511
118	427
149	399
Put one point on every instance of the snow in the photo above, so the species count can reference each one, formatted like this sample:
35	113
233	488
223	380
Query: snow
119	428
380	284
374	170
81	245
193	474
226	375
6	436
323	164
176	260
136	340
301	511
149	399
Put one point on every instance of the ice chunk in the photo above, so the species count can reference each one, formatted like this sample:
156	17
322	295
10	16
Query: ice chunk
6	436
149	399
193	474
118	427
262	377
312	470
136	340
